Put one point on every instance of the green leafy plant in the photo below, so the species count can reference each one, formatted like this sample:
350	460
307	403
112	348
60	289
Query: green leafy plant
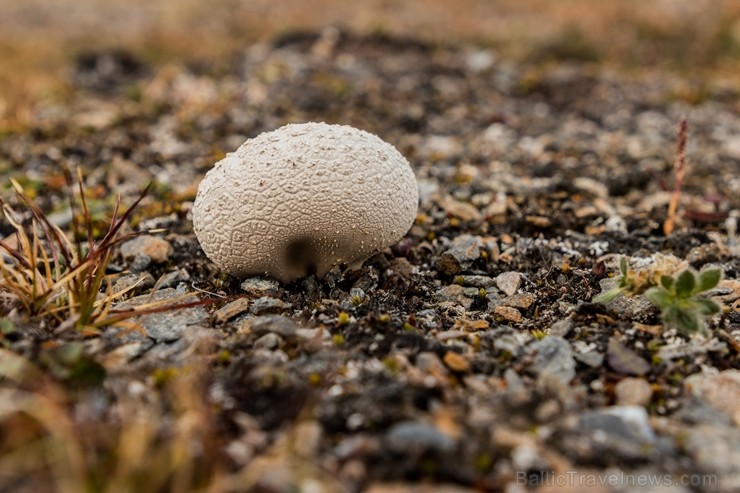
624	284
632	282
673	287
678	300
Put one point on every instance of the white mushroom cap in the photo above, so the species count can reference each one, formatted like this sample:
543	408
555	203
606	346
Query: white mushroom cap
302	199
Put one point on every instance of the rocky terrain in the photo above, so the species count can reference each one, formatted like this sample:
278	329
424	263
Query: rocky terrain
467	357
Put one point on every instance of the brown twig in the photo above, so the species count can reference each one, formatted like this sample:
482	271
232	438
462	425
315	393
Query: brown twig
679	167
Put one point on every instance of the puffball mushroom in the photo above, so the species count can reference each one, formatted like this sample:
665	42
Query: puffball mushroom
302	199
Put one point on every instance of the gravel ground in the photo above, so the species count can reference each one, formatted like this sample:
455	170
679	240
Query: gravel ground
467	357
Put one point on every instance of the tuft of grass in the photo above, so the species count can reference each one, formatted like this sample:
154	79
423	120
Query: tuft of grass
49	274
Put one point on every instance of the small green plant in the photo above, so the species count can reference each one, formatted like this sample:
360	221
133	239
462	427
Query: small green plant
632	282
679	303
673	287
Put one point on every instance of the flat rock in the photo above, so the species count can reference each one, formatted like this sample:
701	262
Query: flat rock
231	310
142	280
522	301
720	391
269	341
508	313
165	326
463	251
475	281
417	436
264	305
635	308
624	360
456	362
260	286
715	450
553	358
454	293
594	359
509	282
278	324
149	248
172	279
633	392
622	430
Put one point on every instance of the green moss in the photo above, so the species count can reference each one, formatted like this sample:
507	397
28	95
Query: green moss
343	319
337	340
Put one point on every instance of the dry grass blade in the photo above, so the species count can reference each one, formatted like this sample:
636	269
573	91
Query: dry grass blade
679	168
49	274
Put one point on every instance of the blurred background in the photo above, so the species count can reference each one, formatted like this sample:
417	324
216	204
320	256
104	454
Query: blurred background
40	38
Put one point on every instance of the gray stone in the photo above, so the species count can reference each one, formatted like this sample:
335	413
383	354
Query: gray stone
635	308
165	326
454	293
594	359
416	436
475	281
715	451
562	327
624	360
509	282
627	422
172	279
260	286
231	310
553	358
266	305
277	324
633	392
522	300
465	250
142	280
269	341
621	431
720	391
145	250
512	343
429	362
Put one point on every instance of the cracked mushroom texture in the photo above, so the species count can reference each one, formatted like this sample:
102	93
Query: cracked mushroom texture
302	199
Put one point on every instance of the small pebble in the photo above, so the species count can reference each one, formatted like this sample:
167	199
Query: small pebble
509	282
721	391
454	293
553	359
507	313
277	324
465	250
456	362
265	305
416	436
156	249
523	301
259	286
268	341
231	310
633	392
624	360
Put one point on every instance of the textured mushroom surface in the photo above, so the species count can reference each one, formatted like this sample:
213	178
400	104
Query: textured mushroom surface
302	199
